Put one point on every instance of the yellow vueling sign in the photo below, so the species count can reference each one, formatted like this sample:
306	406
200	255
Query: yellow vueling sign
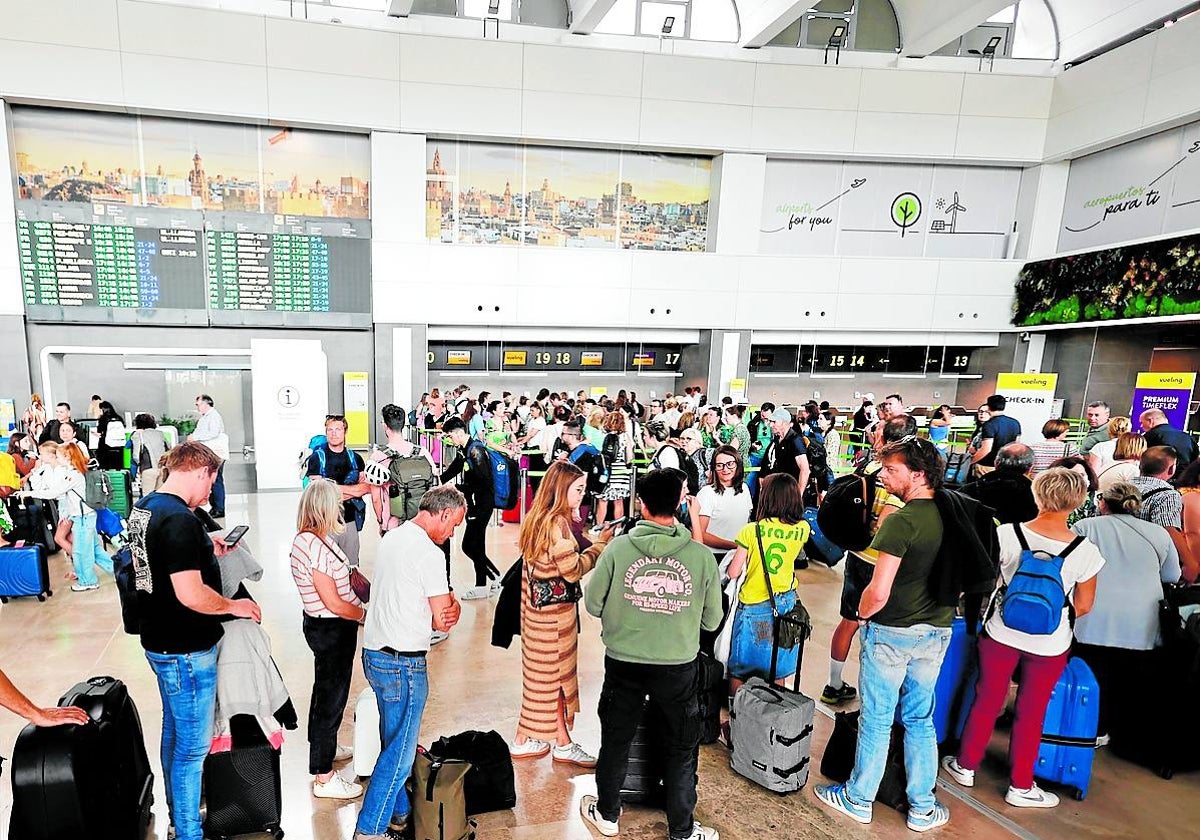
1026	382
1173	381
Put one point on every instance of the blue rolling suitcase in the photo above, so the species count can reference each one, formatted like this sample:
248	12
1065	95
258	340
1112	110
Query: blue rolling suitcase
23	571
818	547
951	681
1069	733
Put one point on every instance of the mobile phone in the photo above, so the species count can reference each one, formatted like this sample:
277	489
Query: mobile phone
234	536
612	523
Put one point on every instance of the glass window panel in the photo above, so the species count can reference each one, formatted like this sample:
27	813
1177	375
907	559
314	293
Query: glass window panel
714	20
978	38
1034	35
621	18
819	30
875	26
479	9
551	13
833	6
435	7
655	14
1004	15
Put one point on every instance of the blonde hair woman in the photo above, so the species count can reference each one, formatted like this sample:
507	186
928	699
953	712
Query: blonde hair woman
549	631
1126	460
332	615
1104	452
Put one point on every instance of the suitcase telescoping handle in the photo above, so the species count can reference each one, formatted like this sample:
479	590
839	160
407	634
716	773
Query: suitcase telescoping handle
779	621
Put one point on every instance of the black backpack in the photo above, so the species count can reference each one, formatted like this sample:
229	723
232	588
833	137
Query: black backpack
686	463
845	513
596	467
490	784
610	447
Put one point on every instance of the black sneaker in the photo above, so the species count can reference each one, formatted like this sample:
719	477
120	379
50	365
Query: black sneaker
836	696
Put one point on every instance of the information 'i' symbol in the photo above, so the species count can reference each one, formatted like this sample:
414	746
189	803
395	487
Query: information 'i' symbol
906	209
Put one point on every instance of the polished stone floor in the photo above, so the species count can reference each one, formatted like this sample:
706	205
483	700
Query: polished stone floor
48	647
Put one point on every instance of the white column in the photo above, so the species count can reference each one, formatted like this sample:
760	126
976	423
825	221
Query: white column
12	297
291	397
1049	200
738	207
402	367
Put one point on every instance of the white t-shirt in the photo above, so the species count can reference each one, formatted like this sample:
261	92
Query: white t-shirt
409	570
545	439
728	512
1084	563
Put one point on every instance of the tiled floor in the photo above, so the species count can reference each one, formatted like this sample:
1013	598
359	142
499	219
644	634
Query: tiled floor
48	647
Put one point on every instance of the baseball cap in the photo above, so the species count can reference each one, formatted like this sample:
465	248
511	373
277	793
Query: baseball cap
781	415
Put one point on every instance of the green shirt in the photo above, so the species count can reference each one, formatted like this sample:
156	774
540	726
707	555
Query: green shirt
914	534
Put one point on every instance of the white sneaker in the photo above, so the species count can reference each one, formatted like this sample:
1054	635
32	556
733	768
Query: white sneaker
343	753
700	832
591	814
477	592
957	772
530	749
1035	797
80	587
337	788
572	753
496	586
1103	740
437	637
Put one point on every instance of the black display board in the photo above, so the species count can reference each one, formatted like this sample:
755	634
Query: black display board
854	359
550	356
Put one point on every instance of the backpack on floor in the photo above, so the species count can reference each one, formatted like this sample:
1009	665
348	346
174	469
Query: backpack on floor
1032	602
439	798
490	784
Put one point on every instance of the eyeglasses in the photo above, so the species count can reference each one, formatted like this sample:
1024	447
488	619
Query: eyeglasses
329	417
726	465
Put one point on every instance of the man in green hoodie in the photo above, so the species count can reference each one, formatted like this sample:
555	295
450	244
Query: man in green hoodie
653	590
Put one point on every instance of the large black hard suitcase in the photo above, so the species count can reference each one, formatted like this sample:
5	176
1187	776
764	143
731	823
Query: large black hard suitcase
84	781
242	787
644	774
838	761
34	522
23	571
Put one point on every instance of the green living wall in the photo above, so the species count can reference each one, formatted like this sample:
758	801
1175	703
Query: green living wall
1131	281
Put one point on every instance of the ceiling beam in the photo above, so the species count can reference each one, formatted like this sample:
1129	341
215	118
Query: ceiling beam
399	8
928	25
587	14
761	24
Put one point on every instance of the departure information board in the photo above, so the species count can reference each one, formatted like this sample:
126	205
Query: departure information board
265	271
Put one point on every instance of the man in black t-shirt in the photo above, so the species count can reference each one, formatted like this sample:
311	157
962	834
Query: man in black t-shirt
178	584
999	431
343	466
786	453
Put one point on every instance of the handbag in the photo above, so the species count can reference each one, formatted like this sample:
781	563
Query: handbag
544	592
798	627
360	584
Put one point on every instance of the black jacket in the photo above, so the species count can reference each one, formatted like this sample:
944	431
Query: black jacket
968	561
1008	494
507	621
476	469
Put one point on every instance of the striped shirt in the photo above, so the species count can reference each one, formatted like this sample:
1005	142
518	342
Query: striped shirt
1046	452
311	554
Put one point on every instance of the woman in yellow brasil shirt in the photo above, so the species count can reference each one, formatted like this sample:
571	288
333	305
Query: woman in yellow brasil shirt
783	532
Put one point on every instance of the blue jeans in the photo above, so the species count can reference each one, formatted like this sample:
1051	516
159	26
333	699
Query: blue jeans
88	551
900	665
401	686
752	477
217	497
187	683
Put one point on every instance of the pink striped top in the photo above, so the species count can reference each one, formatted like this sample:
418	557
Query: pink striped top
312	554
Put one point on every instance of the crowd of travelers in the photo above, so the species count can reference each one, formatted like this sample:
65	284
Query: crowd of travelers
1118	510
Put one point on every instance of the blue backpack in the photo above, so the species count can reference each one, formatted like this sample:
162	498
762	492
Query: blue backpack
1032	602
505	477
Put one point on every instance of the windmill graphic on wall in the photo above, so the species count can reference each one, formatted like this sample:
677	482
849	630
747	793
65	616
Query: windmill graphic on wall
955	207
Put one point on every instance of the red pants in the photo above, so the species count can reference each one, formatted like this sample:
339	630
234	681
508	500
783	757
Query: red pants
1039	674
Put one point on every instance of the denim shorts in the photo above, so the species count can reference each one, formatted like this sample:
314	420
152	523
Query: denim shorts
750	646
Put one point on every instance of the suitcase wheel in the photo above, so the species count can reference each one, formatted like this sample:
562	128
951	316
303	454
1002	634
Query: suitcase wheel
1079	794
41	597
3	599
1166	773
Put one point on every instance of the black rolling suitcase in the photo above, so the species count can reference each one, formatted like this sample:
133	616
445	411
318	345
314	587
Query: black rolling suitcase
713	694
84	781
644	774
34	521
242	787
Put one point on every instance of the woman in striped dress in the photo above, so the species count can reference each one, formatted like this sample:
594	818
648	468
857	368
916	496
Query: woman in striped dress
549	634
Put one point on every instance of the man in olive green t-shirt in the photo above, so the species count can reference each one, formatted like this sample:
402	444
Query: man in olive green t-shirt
904	638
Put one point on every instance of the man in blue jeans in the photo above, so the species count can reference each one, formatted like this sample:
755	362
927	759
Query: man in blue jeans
179	600
905	633
410	598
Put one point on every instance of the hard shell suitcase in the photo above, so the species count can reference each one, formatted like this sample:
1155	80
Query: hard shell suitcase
771	728
1069	733
23	571
644	773
837	763
92	780
242	787
949	689
819	547
439	798
367	738
490	784
122	487
34	521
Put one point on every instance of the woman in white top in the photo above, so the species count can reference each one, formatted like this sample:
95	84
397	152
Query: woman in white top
724	503
1101	454
1041	658
1126	459
332	615
1117	638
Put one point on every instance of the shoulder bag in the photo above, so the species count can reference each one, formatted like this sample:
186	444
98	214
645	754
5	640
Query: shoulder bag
798	626
545	592
360	584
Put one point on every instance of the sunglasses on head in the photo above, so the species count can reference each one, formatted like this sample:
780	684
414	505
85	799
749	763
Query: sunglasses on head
341	417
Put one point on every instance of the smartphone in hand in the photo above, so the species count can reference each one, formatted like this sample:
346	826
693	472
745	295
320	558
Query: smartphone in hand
234	536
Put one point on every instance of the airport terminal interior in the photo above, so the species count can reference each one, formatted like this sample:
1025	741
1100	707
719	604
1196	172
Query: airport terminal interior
705	218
